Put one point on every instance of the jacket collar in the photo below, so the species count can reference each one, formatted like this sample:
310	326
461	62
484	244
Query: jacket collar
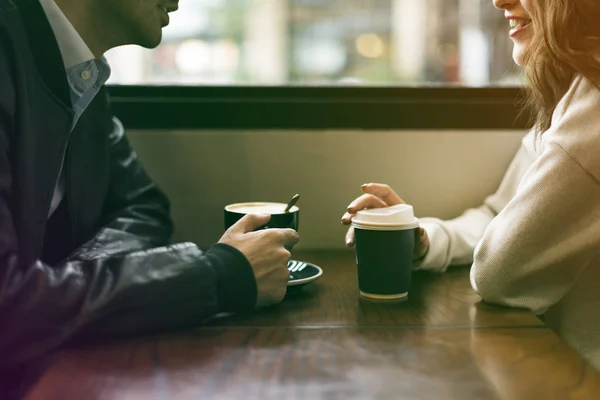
44	48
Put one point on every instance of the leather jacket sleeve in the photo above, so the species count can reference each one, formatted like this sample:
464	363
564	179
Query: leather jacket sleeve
136	213
125	281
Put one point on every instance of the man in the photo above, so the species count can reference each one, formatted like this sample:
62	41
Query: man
84	232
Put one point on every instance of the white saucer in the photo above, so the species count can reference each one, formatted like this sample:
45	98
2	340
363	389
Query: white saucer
302	273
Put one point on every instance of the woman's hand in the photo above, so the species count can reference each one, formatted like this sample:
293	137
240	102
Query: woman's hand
377	195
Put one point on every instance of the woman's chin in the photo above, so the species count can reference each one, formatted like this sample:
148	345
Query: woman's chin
518	59
519	54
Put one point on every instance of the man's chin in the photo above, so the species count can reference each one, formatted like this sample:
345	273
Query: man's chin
150	41
151	44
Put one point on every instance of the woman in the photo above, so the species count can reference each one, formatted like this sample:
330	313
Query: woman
535	243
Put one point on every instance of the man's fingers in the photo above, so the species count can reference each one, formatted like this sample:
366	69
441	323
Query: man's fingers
350	237
365	201
250	222
384	192
289	237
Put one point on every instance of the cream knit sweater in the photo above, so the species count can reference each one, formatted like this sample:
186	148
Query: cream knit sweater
535	243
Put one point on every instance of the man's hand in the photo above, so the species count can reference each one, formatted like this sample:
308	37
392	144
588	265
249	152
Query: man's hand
377	195
266	251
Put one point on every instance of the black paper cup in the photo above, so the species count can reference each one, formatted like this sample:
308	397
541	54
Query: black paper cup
279	219
385	242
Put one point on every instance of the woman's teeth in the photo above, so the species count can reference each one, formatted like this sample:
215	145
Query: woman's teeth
514	23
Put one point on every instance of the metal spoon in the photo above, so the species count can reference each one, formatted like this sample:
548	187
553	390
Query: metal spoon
291	203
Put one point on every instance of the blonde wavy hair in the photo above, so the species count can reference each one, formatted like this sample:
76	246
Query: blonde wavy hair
565	43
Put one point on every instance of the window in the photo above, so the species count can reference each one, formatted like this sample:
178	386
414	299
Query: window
325	42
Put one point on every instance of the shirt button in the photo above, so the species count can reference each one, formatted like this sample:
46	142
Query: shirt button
85	74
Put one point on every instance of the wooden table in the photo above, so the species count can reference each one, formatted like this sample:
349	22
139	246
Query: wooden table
327	343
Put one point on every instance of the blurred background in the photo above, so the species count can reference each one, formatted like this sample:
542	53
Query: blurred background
325	42
454	46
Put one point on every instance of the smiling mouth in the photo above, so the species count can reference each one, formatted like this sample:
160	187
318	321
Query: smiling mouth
519	23
169	8
164	15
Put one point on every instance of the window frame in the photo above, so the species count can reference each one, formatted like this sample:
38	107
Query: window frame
318	107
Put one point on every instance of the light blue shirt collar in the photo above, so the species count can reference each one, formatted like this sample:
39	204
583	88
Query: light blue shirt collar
85	74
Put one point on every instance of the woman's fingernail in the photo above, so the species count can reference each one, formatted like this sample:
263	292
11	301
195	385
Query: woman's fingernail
364	185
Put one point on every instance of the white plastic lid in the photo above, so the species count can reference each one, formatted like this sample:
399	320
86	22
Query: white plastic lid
398	217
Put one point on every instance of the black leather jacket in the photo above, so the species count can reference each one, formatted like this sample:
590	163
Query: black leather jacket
101	265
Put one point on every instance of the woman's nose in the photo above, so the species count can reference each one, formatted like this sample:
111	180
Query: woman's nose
504	4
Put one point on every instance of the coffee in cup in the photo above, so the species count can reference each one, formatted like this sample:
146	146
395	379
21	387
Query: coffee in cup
385	241
279	218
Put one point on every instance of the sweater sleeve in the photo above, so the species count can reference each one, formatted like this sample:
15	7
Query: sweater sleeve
453	242
534	251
